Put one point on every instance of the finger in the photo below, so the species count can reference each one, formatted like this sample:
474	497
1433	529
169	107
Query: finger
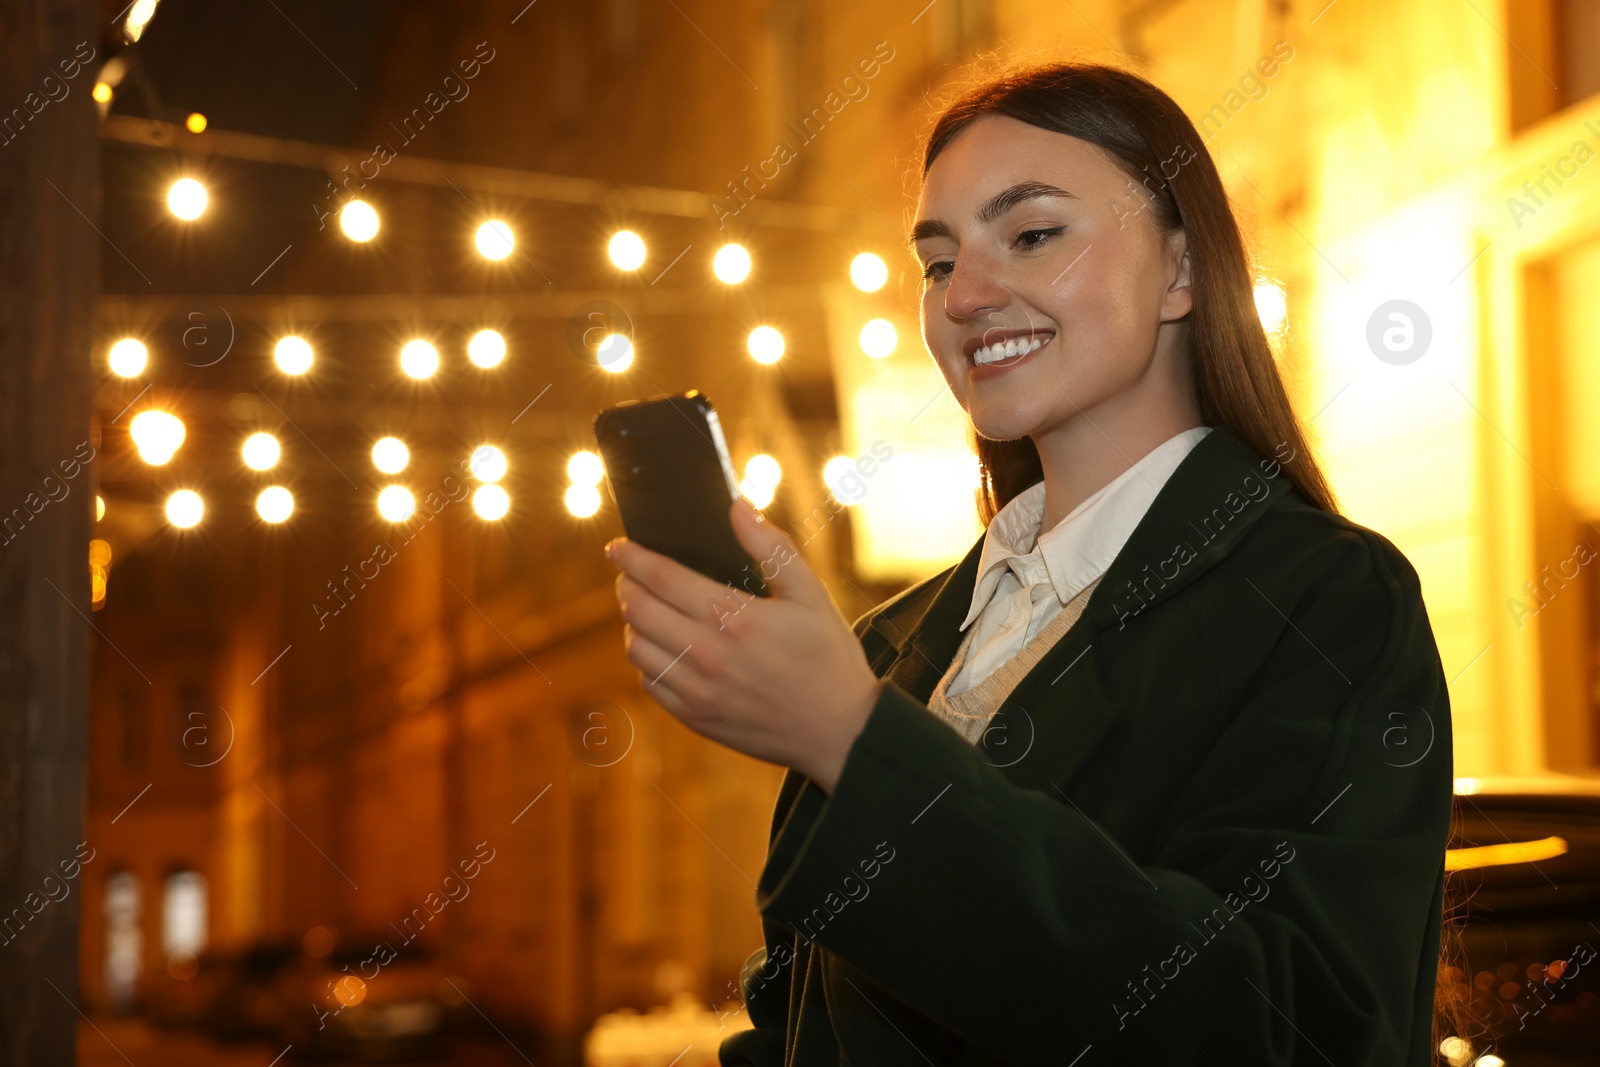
654	618
777	558
657	666
685	588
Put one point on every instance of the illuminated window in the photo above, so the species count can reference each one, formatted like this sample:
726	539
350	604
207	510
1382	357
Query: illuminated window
183	914
124	941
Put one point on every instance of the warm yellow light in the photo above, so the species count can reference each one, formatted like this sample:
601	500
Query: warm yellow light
128	358
275	503
101	93
762	469
99	553
99	507
490	502
185	509
758	495
390	455
585	468
615	353
261	451
359	221
195	123
582	500
627	250
494	240
187	199
878	338
350	991
139	15
293	355
868	272
1460	859
488	463
731	264
396	503
419	359
1464	786
157	435
833	474
1272	305
487	348
765	344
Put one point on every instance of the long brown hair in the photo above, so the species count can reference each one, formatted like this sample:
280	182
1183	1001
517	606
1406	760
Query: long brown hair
1236	379
1235	375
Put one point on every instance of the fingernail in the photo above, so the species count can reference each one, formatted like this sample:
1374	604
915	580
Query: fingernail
611	551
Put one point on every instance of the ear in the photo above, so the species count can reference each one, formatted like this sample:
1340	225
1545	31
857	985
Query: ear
1178	300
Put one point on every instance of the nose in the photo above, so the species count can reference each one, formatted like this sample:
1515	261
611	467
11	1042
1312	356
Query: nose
974	288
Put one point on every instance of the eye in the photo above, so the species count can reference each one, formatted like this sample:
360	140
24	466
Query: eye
1034	238
937	269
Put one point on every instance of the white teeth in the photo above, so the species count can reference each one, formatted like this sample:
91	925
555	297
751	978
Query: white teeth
1006	350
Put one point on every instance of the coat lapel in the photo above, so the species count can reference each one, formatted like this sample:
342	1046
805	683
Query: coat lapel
1049	726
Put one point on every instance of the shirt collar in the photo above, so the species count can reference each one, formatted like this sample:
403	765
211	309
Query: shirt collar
1081	546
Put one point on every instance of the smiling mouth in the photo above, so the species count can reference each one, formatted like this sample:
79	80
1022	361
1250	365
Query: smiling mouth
1009	349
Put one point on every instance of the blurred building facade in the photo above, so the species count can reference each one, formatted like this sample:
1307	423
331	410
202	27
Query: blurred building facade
322	734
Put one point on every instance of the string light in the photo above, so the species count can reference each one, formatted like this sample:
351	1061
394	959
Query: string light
731	264
195	123
419	359
582	500
585	468
490	502
359	221
185	509
868	272
765	344
293	355
186	199
761	475
616	353
101	93
488	463
390	455
140	12
157	435
878	338
627	250
99	507
128	358
275	504
487	348
261	451
396	503
494	240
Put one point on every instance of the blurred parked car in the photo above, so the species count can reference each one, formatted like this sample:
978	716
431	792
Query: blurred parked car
1529	868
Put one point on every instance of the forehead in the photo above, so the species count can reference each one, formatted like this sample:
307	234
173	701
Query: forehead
998	151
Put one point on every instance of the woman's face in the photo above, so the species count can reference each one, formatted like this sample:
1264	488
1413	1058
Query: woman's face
1039	239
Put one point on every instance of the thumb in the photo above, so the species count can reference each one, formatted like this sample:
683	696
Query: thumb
776	558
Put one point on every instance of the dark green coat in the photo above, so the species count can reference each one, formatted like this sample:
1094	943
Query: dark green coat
1208	826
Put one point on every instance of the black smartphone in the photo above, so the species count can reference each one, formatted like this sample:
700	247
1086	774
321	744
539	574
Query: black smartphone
668	469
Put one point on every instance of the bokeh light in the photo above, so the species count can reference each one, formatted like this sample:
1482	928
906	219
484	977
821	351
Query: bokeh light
487	348
157	435
490	502
128	358
488	463
359	220
878	338
187	199
615	353
869	272
390	455
626	250
585	468
419	359
185	509
731	264
293	355
765	344
275	504
195	123
396	503
261	451
494	240
582	500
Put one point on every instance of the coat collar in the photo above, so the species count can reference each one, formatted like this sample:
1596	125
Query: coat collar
1214	496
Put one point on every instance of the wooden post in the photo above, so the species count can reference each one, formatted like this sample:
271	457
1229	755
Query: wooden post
49	272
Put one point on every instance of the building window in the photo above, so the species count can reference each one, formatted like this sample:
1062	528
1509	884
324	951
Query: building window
124	940
183	915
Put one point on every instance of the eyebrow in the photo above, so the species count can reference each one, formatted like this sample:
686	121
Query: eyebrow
996	206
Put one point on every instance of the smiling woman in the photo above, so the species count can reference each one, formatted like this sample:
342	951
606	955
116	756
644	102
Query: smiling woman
1168	657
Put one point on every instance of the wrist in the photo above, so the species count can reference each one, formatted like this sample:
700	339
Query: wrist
851	721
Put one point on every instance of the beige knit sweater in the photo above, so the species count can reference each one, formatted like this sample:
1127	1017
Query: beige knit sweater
969	712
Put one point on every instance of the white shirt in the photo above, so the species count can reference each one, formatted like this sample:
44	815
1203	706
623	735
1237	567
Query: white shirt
1026	577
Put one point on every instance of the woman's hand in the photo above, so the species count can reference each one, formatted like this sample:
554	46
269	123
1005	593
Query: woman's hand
783	679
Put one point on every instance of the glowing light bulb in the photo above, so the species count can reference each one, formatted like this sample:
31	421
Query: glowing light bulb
275	504
195	123
101	93
615	353
487	348
488	463
187	199
390	455
293	355
128	358
359	221
731	264
868	272
396	503
626	250
185	509
261	451
157	435
582	500
494	240
878	338
490	502
585	468
765	344
419	359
